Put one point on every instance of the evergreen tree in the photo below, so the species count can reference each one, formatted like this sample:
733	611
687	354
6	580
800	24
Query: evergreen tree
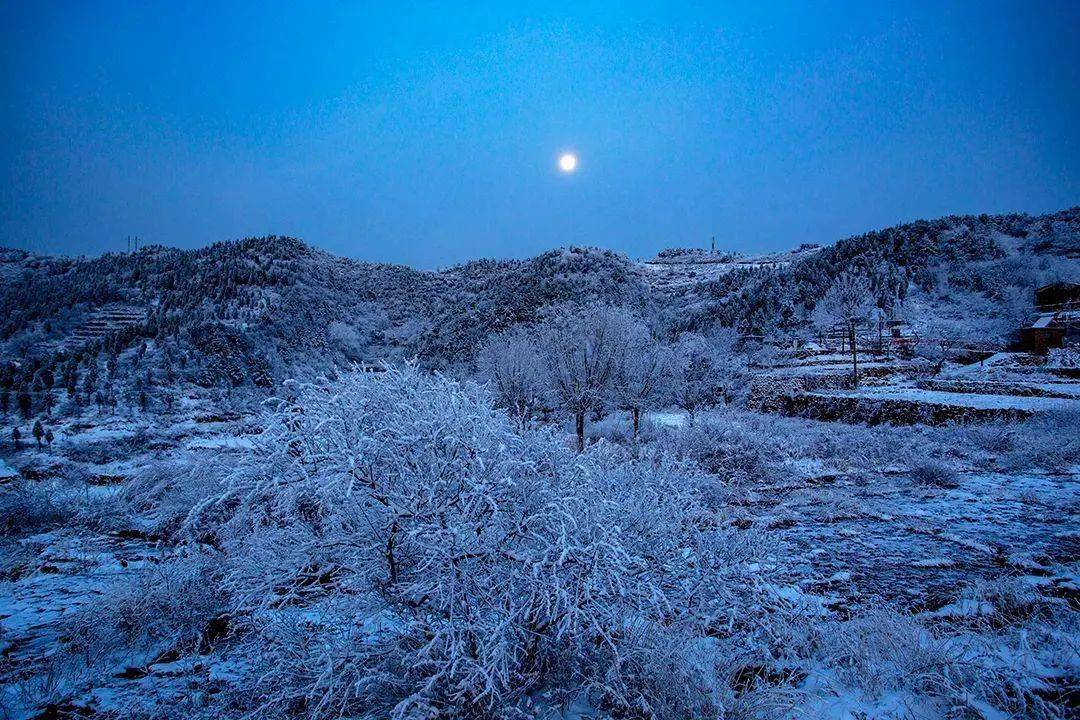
25	402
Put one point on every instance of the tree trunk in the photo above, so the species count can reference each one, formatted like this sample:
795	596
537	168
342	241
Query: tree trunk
941	358
579	421
635	415
391	559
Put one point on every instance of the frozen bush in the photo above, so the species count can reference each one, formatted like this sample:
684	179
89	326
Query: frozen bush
16	558
103	512
994	438
166	607
934	474
164	611
164	493
882	664
1009	601
1068	357
400	549
612	428
27	507
1044	441
724	446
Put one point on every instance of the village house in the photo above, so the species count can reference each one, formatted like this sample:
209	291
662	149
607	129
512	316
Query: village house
1058	321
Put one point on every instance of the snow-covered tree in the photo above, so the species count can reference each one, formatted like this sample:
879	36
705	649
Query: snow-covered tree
581	351
640	374
511	364
699	369
848	302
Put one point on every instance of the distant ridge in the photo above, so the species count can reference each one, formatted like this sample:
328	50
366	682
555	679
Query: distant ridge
301	309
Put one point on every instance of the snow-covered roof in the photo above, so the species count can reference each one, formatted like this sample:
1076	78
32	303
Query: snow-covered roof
1044	320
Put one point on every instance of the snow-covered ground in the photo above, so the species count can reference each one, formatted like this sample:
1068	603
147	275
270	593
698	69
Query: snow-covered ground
865	539
972	400
856	540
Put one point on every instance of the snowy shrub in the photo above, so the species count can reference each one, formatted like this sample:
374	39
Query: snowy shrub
1040	442
15	558
884	664
165	492
166	607
613	428
833	504
399	549
348	340
1067	357
1008	601
27	507
994	438
101	512
723	446
156	615
934	474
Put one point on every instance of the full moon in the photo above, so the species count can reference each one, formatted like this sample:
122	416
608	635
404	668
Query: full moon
568	162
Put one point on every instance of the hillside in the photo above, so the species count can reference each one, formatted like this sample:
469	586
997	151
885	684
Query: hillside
986	262
254	311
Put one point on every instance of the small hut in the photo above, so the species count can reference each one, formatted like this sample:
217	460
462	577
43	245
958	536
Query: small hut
1058	320
1057	296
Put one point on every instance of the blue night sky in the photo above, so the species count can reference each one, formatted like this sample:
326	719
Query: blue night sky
429	134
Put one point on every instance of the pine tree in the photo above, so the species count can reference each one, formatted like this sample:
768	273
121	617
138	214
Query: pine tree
25	402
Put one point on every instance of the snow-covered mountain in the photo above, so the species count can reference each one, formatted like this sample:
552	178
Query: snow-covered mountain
256	310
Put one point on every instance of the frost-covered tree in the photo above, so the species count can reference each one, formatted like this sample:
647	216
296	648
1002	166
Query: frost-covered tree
847	302
512	365
581	351
640	373
699	369
940	336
